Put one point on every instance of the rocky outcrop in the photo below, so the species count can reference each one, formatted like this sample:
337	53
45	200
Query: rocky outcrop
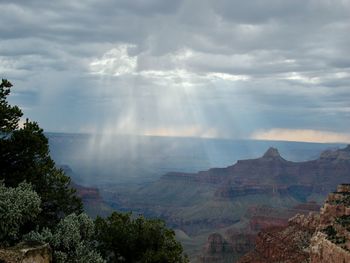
93	202
273	174
339	155
257	223
26	253
324	251
262	218
272	153
221	198
331	242
217	244
315	238
299	192
336	206
284	244
240	240
88	194
263	225
219	249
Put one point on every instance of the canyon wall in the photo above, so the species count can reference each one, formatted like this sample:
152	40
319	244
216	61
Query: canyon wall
315	238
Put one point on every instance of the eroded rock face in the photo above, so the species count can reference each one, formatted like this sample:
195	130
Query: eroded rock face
24	253
283	244
268	181
93	202
272	153
227	248
342	154
324	251
272	174
263	225
217	244
315	238
331	241
215	249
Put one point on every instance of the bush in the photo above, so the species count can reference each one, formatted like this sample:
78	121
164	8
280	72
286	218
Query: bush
343	220
18	206
72	240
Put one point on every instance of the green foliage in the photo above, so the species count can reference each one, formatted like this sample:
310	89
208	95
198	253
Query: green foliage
51	206
124	239
17	206
9	115
71	240
24	156
343	221
333	236
345	200
330	231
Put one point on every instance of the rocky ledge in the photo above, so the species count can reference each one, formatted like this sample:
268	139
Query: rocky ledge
315	238
26	253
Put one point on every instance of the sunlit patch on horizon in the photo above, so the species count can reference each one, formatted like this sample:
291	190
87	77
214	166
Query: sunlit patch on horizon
301	135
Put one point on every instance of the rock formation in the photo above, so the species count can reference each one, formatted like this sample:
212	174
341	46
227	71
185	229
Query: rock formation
26	253
264	226
237	201
93	202
273	174
315	238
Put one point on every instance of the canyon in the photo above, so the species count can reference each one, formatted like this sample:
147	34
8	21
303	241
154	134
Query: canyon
212	208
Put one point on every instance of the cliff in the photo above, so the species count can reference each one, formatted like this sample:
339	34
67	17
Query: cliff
272	174
263	235
93	202
315	238
237	201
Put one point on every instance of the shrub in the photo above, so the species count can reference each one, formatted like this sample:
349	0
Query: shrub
18	206
71	240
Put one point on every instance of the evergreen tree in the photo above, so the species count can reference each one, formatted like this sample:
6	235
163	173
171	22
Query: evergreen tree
52	212
24	156
122	238
9	115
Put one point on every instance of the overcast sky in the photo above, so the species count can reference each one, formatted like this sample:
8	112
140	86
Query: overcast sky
265	69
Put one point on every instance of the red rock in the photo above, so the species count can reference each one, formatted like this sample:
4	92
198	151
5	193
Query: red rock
306	238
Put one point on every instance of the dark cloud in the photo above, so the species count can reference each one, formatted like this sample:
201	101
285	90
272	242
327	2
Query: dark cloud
235	66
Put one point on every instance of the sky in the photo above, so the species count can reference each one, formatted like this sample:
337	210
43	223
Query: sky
258	69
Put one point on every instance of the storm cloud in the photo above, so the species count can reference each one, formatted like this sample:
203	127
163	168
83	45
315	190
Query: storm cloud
227	69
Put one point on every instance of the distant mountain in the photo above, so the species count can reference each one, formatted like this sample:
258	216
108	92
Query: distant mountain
241	198
98	159
273	174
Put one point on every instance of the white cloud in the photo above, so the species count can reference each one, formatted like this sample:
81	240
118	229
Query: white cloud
115	62
118	62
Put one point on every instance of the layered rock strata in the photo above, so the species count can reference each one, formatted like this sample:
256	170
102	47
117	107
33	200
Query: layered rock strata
315	238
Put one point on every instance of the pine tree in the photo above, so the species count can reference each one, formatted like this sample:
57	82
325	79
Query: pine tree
24	156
